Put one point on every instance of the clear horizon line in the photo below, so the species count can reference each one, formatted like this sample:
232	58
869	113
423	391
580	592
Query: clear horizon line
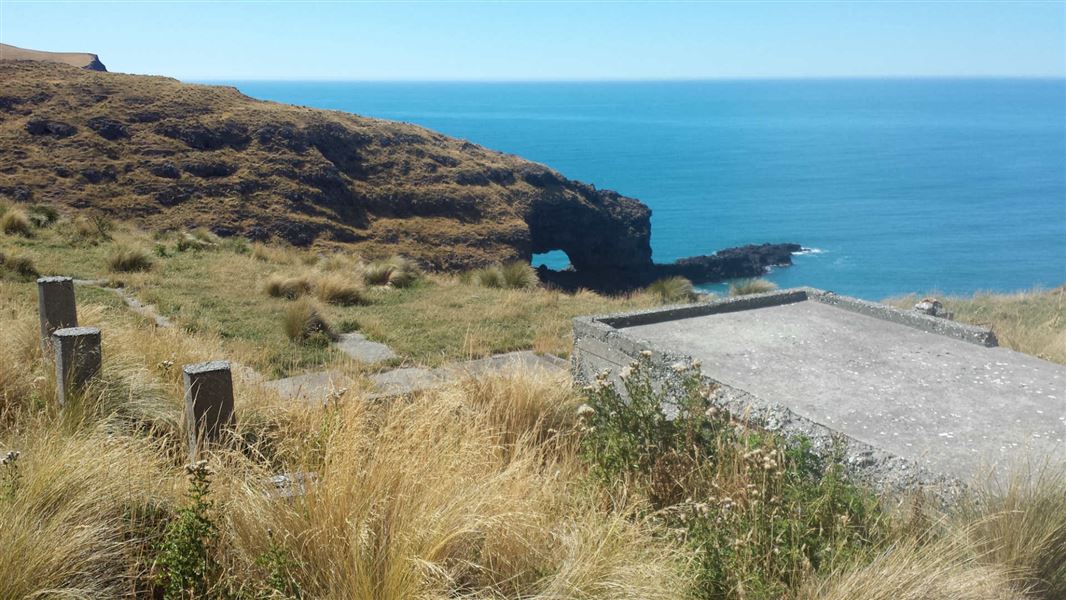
626	79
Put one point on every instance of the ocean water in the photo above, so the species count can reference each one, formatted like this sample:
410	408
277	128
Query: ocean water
897	186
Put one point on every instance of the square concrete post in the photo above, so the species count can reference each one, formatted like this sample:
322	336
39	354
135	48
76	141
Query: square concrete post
55	303
208	402
77	354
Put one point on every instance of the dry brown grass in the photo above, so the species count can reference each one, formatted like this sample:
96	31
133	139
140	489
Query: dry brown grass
14	221
288	287
126	259
304	321
340	290
745	287
1033	321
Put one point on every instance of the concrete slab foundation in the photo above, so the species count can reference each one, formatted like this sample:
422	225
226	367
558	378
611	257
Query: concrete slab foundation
918	400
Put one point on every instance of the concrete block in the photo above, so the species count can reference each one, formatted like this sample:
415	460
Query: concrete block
77	357
208	402
56	306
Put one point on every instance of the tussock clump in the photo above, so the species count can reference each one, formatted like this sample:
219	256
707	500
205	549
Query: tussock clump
198	239
42	215
397	272
91	230
518	275
672	290
514	275
76	514
1019	524
126	259
746	287
305	322
489	277
288	287
918	570
17	267
334	289
14	221
265	253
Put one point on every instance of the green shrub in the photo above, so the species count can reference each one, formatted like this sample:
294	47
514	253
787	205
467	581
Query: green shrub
124	259
42	215
305	323
15	222
186	562
745	287
288	287
17	267
672	290
760	514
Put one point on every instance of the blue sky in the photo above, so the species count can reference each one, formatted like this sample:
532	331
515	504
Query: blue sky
550	40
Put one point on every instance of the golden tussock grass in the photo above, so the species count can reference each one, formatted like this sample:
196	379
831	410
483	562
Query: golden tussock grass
745	287
1033	321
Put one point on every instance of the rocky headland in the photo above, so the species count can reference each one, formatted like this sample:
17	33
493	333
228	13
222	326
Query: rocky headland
170	155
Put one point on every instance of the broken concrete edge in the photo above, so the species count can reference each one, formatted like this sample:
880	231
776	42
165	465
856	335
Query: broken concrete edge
599	347
909	318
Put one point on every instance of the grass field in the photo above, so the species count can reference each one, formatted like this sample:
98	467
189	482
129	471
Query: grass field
510	487
220	292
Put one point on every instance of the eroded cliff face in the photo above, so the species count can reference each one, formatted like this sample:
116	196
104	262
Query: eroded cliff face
170	155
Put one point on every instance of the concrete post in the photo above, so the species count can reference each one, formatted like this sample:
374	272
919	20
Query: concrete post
55	304
77	354
208	402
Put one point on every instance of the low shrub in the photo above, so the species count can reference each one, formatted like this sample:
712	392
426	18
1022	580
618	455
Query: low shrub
125	259
304	322
397	272
15	222
186	565
514	275
518	275
92	230
672	290
745	287
288	287
334	289
490	277
17	267
760	514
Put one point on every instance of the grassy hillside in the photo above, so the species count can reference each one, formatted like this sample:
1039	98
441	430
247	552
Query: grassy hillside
512	487
1032	321
172	156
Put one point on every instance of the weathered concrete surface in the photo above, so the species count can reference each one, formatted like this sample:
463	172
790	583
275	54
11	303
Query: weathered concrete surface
934	395
318	386
363	350
315	386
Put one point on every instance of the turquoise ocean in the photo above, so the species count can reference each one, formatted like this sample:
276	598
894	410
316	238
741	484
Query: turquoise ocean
896	186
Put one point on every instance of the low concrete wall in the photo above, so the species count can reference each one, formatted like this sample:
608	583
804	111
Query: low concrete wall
601	343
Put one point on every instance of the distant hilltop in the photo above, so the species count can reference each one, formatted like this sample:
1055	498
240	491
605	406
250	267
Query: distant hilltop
82	60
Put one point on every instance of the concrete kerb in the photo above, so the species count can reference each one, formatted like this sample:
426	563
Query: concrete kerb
602	344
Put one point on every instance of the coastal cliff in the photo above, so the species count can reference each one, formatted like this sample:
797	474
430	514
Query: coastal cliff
169	155
81	60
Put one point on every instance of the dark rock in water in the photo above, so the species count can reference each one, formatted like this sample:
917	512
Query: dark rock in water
57	129
731	263
109	129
